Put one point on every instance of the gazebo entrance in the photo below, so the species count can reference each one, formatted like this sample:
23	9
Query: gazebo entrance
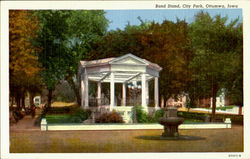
131	72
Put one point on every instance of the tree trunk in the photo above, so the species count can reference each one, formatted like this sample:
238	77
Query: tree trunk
49	97
23	102
75	89
12	102
215	89
165	101
17	102
31	101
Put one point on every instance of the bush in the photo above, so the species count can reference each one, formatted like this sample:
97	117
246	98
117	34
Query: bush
142	116
17	115
192	115
111	117
158	114
83	114
62	110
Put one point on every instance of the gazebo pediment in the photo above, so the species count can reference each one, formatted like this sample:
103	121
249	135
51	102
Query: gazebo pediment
128	59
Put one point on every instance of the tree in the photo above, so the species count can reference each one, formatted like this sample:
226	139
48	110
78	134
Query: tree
218	54
66	37
166	44
52	40
23	63
85	28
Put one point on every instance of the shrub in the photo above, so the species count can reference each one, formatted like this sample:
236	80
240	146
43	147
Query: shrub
83	114
142	116
111	117
62	110
192	115
158	114
17	115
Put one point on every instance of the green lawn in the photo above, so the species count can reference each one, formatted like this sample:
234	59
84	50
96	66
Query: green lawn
216	140
223	108
189	121
62	118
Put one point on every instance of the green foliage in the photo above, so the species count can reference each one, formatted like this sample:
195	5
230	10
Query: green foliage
218	56
158	114
65	37
191	115
142	116
83	114
111	117
62	110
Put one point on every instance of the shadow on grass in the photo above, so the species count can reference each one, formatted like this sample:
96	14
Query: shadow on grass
182	137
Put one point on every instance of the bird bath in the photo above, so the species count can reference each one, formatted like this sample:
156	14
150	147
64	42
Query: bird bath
170	121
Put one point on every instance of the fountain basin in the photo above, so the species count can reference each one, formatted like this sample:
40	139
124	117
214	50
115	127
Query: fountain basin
170	121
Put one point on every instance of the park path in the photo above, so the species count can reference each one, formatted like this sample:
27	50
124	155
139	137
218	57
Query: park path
25	124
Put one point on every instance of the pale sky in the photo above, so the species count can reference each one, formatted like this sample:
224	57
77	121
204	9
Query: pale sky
120	18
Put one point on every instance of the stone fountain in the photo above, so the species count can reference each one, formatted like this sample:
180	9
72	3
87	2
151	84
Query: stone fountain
170	121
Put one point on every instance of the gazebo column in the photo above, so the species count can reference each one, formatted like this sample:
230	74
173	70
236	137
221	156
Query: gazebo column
123	94
86	88
82	91
99	93
143	92
156	92
147	93
112	90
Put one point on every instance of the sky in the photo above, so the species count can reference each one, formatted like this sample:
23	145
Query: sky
120	18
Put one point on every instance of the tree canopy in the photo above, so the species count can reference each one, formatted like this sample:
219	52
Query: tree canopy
23	63
218	56
66	37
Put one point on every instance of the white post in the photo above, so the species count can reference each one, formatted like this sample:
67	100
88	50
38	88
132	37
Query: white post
156	93
86	94
143	91
44	125
82	91
112	90
123	94
99	93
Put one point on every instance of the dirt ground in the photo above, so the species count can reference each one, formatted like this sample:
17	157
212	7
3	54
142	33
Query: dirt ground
32	140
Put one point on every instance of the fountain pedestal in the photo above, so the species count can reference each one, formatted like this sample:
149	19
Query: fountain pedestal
170	121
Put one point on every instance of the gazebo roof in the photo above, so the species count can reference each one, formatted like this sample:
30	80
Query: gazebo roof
127	68
113	59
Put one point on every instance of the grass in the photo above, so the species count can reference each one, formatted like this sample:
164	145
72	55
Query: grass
190	121
216	140
223	108
58	118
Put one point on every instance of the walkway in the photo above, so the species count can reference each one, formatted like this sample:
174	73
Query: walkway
25	124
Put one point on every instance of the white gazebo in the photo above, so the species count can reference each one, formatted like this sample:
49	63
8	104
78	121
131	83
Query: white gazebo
124	69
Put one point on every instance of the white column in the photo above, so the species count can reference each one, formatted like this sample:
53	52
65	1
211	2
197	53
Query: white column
99	93
86	94
156	92
123	94
143	91
112	90
82	91
147	93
